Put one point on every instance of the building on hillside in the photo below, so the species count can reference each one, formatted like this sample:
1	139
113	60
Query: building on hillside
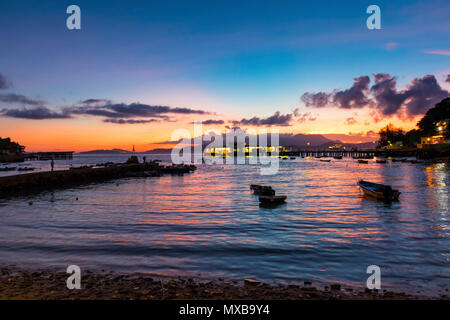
439	139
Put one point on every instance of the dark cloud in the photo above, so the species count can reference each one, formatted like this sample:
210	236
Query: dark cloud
114	113
388	99
384	97
18	98
169	142
318	100
122	110
211	122
94	101
130	121
276	119
38	113
355	97
422	94
4	84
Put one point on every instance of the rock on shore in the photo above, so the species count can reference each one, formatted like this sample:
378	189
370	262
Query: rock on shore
49	285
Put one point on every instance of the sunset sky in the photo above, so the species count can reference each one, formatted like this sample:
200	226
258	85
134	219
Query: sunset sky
137	70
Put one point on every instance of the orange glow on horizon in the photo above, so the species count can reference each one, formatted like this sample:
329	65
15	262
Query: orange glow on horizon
84	134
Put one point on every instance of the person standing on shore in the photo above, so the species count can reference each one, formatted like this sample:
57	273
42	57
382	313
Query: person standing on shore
52	164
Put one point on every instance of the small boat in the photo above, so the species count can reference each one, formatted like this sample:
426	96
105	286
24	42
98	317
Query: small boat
8	168
25	169
362	161
325	160
379	191
271	200
262	190
292	158
381	161
338	157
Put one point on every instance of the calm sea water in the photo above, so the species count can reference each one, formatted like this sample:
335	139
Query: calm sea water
208	225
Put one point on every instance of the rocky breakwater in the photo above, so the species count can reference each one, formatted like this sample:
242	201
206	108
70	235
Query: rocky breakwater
25	184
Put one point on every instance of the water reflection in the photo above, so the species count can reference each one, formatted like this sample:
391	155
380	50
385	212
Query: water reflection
209	223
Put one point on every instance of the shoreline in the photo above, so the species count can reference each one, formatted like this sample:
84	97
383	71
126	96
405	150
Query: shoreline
28	284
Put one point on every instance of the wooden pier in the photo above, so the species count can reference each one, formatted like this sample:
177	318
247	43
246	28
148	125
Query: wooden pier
49	155
353	153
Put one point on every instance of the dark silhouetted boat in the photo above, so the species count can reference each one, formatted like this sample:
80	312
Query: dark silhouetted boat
381	161
325	160
272	200
379	191
8	168
262	190
362	161
338	157
25	169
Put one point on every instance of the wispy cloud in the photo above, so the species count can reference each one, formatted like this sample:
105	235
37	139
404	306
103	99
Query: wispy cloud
130	121
438	52
211	122
350	121
391	45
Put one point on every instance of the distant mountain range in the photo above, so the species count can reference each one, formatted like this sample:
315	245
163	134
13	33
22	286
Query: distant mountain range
299	141
103	151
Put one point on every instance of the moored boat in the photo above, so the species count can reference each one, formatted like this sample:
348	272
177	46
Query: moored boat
325	160
337	157
379	191
271	200
25	169
262	190
362	161
381	161
8	168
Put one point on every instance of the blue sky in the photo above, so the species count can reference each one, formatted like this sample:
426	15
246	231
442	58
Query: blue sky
243	58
